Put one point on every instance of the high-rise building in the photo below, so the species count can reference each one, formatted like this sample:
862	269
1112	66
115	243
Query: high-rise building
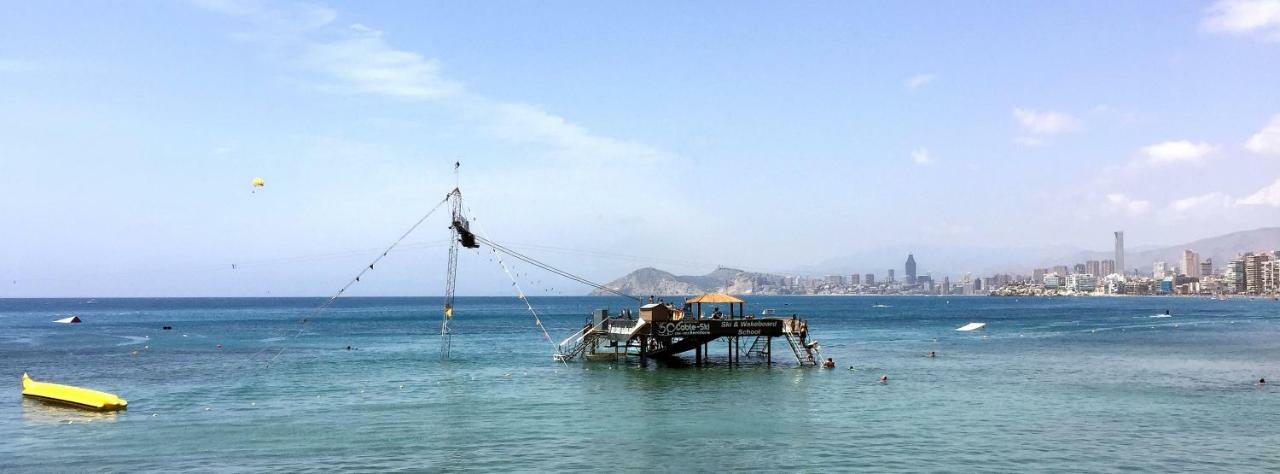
1108	267
1093	267
1159	270
1191	263
911	269
1061	270
891	280
871	278
1077	268
1253	272
1120	268
855	279
1234	273
1037	275
1271	276
835	280
1206	267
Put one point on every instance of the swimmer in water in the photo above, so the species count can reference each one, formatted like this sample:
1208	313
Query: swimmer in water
884	379
829	364
1262	381
932	354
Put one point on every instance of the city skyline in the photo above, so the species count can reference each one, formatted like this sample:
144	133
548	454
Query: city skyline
1250	273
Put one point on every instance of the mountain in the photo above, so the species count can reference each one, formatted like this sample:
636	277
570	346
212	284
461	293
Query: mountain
651	281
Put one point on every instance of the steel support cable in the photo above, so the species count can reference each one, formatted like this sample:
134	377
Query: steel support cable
552	269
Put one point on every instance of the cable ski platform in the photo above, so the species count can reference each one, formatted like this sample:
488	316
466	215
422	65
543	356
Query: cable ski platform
662	331
658	330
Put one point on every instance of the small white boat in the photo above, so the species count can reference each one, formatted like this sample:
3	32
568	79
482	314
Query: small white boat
971	327
70	320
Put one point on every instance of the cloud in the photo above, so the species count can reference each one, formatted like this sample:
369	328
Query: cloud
359	59
1245	17
527	124
1117	202
1209	200
1268	196
1179	151
921	157
917	81
1036	126
1266	141
1045	123
364	62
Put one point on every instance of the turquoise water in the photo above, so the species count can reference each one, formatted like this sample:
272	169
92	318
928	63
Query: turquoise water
1066	384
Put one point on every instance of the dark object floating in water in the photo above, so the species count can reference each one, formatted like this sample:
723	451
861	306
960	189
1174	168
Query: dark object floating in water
168	328
71	320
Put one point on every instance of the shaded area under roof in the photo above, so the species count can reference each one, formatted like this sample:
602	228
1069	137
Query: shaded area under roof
714	298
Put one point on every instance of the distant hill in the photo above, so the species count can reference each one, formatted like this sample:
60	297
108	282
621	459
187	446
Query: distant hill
1221	249
652	281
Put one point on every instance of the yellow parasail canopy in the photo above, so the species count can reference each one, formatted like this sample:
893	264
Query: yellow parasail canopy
715	298
259	182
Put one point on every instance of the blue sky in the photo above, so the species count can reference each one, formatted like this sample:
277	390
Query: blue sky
679	134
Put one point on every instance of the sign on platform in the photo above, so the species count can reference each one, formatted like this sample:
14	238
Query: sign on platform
719	327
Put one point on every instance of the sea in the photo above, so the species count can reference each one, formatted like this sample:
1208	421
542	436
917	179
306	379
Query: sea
244	385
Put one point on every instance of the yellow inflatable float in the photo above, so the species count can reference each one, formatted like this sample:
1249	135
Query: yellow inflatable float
73	396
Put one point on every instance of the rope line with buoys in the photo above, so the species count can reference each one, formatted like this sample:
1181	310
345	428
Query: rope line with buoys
519	291
356	279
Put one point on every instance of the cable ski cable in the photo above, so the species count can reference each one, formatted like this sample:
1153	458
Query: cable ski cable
548	267
316	312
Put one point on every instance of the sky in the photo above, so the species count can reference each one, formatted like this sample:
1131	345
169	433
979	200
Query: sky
606	136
